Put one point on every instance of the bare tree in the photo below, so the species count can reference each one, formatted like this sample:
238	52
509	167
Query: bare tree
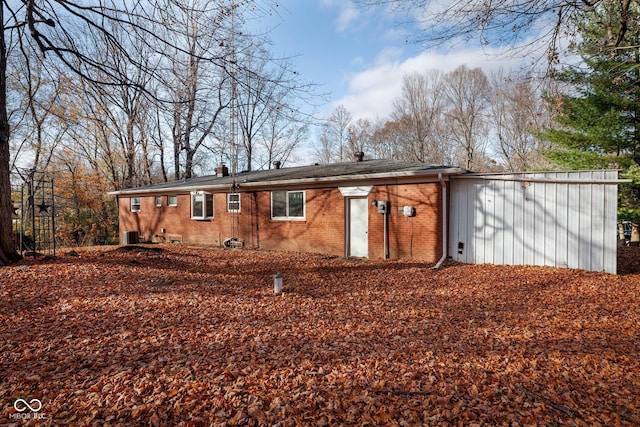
121	108
467	94
280	137
419	110
387	140
530	26
198	89
265	89
324	149
38	119
57	31
334	139
517	113
360	134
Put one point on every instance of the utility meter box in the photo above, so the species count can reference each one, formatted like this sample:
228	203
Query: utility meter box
383	207
409	211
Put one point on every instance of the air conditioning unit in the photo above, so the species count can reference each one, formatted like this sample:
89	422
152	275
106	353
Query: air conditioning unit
129	237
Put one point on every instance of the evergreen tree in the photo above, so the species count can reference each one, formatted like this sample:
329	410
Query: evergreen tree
597	118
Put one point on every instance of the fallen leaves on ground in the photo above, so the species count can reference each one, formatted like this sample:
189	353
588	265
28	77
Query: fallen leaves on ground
170	335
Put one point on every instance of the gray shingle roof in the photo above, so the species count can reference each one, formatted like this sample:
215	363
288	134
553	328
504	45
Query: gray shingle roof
332	174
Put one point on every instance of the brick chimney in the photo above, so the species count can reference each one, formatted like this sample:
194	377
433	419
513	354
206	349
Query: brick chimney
358	156
222	171
276	164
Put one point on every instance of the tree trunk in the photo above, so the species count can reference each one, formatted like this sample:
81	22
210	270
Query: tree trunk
7	250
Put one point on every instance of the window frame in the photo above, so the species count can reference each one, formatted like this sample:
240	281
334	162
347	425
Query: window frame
175	196
229	202
288	216
132	204
158	201
206	197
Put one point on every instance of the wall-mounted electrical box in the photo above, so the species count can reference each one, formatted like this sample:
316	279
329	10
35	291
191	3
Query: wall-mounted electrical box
383	207
409	211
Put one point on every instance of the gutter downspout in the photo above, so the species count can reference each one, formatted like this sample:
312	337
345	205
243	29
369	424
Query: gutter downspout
386	231
444	222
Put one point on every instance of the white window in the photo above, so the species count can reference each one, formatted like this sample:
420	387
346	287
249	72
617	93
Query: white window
135	204
172	200
233	202
288	204
201	205
158	200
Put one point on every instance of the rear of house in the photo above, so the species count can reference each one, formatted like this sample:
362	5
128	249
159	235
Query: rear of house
374	209
388	209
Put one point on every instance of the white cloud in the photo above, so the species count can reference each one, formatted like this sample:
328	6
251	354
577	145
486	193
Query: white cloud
347	17
394	34
348	14
371	92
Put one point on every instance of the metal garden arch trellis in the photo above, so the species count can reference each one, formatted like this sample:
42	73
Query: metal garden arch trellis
33	215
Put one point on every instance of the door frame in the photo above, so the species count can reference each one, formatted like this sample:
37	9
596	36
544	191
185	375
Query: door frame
350	193
348	228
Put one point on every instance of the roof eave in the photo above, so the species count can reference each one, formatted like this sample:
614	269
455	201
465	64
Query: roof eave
395	177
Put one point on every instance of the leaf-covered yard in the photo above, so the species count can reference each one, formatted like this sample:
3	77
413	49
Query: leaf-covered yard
169	335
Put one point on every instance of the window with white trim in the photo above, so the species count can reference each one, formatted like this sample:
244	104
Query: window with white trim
201	205
287	204
135	204
233	202
158	201
172	200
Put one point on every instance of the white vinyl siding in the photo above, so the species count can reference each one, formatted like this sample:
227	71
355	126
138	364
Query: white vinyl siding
560	219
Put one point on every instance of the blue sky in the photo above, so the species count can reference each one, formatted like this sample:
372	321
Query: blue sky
359	56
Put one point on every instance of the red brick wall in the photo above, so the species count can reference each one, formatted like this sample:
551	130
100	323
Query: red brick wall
176	220
417	237
321	231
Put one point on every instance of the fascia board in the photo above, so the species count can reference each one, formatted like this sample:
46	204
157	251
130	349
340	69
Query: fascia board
402	177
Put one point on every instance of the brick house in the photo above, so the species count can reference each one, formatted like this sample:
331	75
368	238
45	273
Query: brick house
366	208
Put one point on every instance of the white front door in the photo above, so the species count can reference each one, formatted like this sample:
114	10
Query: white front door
358	228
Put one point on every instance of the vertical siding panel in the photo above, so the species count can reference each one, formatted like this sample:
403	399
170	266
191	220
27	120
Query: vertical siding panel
573	230
507	222
545	223
562	225
469	222
453	209
491	224
541	211
499	200
462	213
453	216
518	237
585	228
610	239
596	242
465	222
478	224
528	223
466	212
550	224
